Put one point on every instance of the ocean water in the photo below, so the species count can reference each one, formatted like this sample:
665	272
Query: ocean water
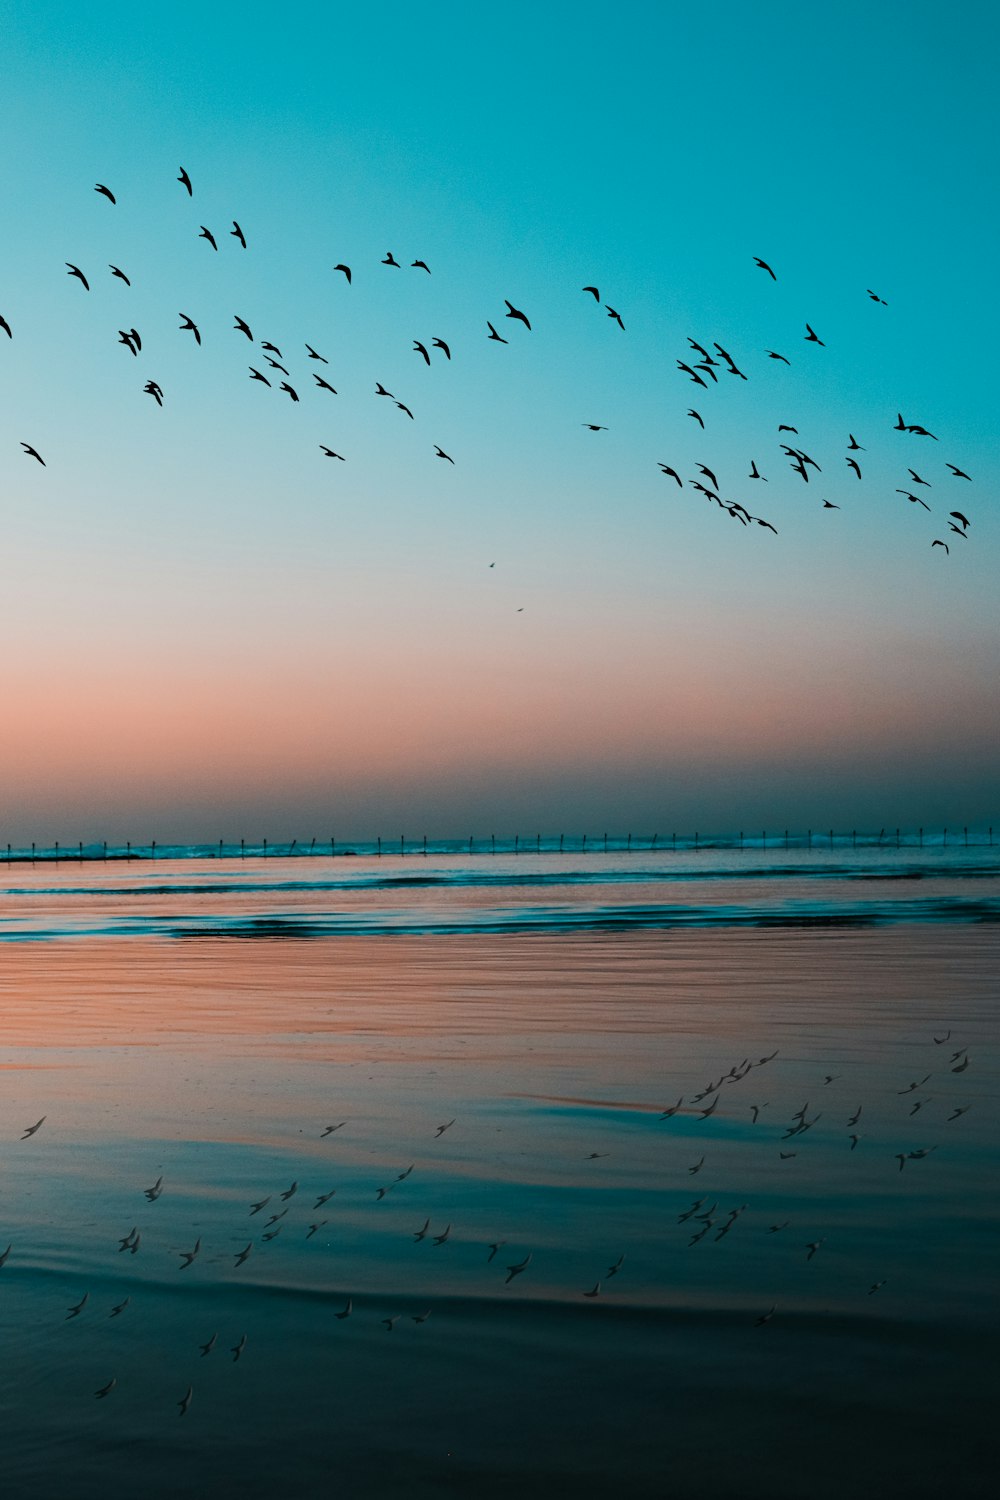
633	1074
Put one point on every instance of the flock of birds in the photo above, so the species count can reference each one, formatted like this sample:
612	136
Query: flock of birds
703	365
704	1219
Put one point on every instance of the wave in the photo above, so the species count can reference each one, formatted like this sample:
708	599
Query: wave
510	920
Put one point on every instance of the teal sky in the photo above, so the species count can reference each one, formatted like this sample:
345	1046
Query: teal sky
213	630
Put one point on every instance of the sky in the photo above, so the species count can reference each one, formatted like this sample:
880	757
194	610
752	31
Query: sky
213	630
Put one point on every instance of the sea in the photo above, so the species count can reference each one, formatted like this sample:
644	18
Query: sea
646	1167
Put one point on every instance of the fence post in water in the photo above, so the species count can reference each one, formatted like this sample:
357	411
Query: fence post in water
809	836
265	848
32	851
81	850
425	846
673	842
493	843
560	843
152	848
379	850
831	838
220	848
517	840
128	849
605	843
921	838
786	838
628	846
57	851
333	847
538	843
897	838
741	838
584	843
964	830
944	840
243	849
402	845
470	843
312	845
696	843
105	850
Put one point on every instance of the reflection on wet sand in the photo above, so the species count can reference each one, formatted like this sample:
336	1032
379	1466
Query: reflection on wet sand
598	1191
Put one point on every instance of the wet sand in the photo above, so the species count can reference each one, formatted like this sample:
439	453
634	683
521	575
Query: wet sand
218	1064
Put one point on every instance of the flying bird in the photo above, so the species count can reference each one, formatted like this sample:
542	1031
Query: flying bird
292	393
77	1307
346	271
593	427
621	325
119	273
314	355
330	454
187	326
963	521
75	271
33	453
672	474
419	349
256	375
764	267
440	344
811	337
516	1270
106	192
206	234
958	473
209	1346
238	234
405	408
346	1310
938	543
697	417
420	265
876	298
494	335
242	327
852	463
5	326
441	454
185	1400
771	355
513	312
390	259
187	1256
323	385
593	291
185	179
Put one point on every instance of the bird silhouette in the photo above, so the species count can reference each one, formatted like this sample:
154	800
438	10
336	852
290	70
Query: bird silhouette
330	454
958	473
420	265
764	267
206	234
187	325
105	191
33	453
185	1400
697	417
186	181
441	454
115	271
313	355
238	234
612	314
593	291
346	271
514	312
390	259
419	349
496	336
242	327
323	385
811	337
440	344
75	271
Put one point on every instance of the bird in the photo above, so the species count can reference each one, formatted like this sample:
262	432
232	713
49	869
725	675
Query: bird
330	454
514	312
697	417
381	1192
917	479
323	385
914	499
764	267
495	1247
853	464
134	1247
875	1285
711	1108
418	348
940	1040
777	1228
346	272
5	326
238	1349
688	371
125	337
256	375
116	271
672	474
442	1128
517	1269
755	1110
185	1400
441	454
207	1348
439	1239
494	335
5	1254
771	355
960	1069
709	475
420	1317
126	1243
787	1155
380	390
75	271
33	453
854	1139
958	473
813	1247
156	391
78	1307
954	1116
938	543
697	1166
275	1217
105	192
390	259
593	427
185	179
876	298
187	1256
152	1193
830	1077
119	1308
292	393
613	1270
912	1086
595	1290
403	407
242	327
314	1227
274	363
616	316
593	291
754	471
389	1323
242	1256
854	445
811	337
325	1197
420	265
856	1116
187	325
345	1311
106	1390
238	234
440	344
962	521
206	234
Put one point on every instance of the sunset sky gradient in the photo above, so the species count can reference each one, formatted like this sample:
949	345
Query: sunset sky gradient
211	630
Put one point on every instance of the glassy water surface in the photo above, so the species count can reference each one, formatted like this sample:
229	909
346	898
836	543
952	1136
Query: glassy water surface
632	1076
